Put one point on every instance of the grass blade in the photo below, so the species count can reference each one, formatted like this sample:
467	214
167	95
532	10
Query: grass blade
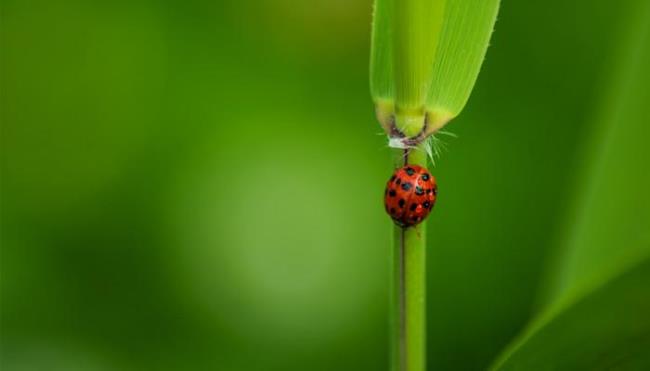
465	37
381	52
596	316
425	58
382	81
417	26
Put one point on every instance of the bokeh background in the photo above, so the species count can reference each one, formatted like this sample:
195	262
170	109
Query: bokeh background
197	185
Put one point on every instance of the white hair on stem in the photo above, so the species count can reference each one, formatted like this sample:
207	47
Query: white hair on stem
434	145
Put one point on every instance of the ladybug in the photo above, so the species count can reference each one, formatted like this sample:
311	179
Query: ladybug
410	195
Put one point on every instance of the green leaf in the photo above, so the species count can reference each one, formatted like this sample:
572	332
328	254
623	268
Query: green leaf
417	30
417	26
382	80
608	329
466	34
425	57
404	41
381	61
597	310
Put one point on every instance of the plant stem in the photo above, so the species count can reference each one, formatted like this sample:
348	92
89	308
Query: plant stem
409	287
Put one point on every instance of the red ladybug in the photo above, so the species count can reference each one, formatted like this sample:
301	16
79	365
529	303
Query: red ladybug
410	195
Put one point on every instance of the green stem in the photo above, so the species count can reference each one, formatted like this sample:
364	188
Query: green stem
409	287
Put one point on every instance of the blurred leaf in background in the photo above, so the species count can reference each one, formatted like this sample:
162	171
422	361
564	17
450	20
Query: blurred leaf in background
597	302
197	185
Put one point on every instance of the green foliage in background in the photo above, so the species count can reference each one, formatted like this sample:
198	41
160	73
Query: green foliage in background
596	315
197	185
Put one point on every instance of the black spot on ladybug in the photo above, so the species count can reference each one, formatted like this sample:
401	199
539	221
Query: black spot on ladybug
425	176
392	210
398	181
426	204
401	202
392	178
415	218
419	191
410	171
413	207
406	186
392	193
429	190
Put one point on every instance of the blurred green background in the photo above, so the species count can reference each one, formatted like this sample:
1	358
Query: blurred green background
197	185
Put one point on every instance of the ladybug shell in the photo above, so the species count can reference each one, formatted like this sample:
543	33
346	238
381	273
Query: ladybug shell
410	195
